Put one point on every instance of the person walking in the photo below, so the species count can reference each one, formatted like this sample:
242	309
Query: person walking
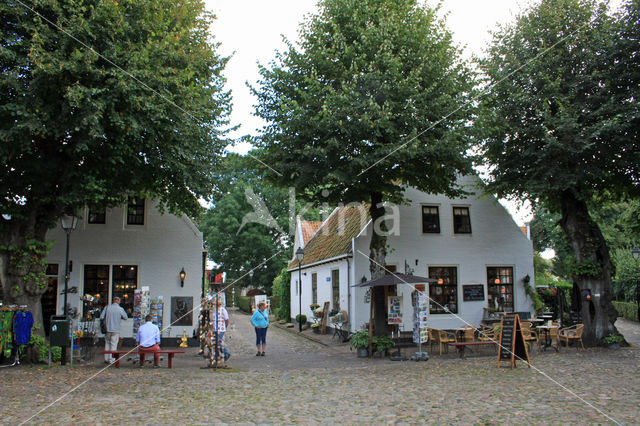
149	338
112	315
260	320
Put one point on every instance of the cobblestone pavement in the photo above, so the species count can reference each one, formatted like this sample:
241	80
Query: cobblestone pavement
301	381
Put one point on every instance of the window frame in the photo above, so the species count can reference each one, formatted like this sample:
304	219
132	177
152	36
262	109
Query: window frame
104	298
314	288
457	218
126	302
505	273
335	285
448	288
100	212
136	218
437	229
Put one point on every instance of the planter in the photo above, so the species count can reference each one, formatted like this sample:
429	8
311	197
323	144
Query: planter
363	352
316	330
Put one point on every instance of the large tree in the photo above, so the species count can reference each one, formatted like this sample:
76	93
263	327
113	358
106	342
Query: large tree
371	100
556	129
100	100
247	226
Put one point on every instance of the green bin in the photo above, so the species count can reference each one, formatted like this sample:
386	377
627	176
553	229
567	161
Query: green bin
59	333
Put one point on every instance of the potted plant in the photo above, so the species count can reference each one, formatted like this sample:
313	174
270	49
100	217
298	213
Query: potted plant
613	340
314	306
360	341
382	344
315	328
301	318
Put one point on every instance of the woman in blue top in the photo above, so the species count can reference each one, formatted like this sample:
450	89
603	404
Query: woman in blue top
260	320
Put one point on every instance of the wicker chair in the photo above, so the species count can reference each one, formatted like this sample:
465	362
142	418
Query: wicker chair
469	333
487	334
571	333
434	337
444	338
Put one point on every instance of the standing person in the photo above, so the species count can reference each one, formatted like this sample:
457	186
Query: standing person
112	315
260	320
218	331
149	338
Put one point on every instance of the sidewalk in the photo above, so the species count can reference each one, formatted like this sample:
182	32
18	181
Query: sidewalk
630	330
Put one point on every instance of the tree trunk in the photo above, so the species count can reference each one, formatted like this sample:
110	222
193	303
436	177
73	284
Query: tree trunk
377	254
593	268
23	252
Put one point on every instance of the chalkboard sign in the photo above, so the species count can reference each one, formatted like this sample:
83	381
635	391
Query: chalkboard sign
473	292
512	344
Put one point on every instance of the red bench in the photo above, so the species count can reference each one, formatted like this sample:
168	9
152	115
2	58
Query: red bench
117	354
462	345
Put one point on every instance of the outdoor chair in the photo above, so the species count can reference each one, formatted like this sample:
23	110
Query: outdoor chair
571	333
529	336
338	323
553	336
469	333
446	337
434	337
487	334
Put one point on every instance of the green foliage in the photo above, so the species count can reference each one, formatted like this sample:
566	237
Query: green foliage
613	339
382	343
281	292
359	339
244	303
301	318
627	310
42	348
534	296
360	89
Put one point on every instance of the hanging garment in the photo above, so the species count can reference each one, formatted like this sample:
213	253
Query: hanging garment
22	324
6	332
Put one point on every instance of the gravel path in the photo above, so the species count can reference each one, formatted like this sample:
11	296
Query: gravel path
300	381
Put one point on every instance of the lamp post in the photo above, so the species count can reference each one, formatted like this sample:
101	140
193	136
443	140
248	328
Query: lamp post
68	221
636	253
300	256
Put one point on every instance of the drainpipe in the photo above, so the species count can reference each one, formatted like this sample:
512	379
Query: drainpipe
204	268
349	291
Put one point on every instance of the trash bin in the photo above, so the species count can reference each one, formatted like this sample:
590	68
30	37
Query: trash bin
59	333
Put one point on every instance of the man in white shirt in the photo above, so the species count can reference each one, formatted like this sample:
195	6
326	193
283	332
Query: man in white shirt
112	315
220	323
149	338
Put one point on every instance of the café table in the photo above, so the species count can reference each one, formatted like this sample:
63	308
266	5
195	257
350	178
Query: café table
547	339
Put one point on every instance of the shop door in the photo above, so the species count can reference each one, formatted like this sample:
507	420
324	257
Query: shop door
49	300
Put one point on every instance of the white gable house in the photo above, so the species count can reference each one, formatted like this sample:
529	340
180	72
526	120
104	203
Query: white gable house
471	245
114	252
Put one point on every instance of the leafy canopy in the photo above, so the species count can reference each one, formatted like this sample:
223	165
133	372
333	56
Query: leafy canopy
367	77
137	113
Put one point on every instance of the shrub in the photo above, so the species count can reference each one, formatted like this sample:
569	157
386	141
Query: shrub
42	348
612	339
244	303
301	318
359	339
627	310
382	343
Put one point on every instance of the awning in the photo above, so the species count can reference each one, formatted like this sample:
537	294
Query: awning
395	279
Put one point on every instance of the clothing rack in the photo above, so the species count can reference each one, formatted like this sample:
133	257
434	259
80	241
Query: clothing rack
18	349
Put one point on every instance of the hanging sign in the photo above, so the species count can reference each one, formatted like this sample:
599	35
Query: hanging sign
394	316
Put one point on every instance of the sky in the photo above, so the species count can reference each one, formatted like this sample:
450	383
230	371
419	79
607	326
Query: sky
251	31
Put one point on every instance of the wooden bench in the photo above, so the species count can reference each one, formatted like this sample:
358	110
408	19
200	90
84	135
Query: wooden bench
462	345
169	352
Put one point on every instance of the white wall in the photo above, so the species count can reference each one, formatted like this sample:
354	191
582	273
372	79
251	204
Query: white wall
495	241
160	248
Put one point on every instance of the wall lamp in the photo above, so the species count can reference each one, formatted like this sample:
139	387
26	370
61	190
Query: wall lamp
183	275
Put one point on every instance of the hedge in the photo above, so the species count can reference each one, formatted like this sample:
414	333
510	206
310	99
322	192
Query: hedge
627	310
243	303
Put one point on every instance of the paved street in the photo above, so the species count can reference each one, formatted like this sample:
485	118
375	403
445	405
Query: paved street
301	381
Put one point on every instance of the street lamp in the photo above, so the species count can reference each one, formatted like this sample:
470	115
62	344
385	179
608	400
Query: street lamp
69	221
300	256
635	253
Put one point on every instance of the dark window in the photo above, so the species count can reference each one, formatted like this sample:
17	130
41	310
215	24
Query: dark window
97	215
125	281
461	220
443	295
314	288
96	284
430	220
500	288
135	211
335	289
390	269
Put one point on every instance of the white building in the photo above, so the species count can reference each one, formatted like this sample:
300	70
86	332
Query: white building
471	244
116	251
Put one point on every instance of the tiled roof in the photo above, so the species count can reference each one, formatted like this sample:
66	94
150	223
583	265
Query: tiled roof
334	237
308	229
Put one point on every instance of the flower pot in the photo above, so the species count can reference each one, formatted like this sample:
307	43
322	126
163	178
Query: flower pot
363	352
316	330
